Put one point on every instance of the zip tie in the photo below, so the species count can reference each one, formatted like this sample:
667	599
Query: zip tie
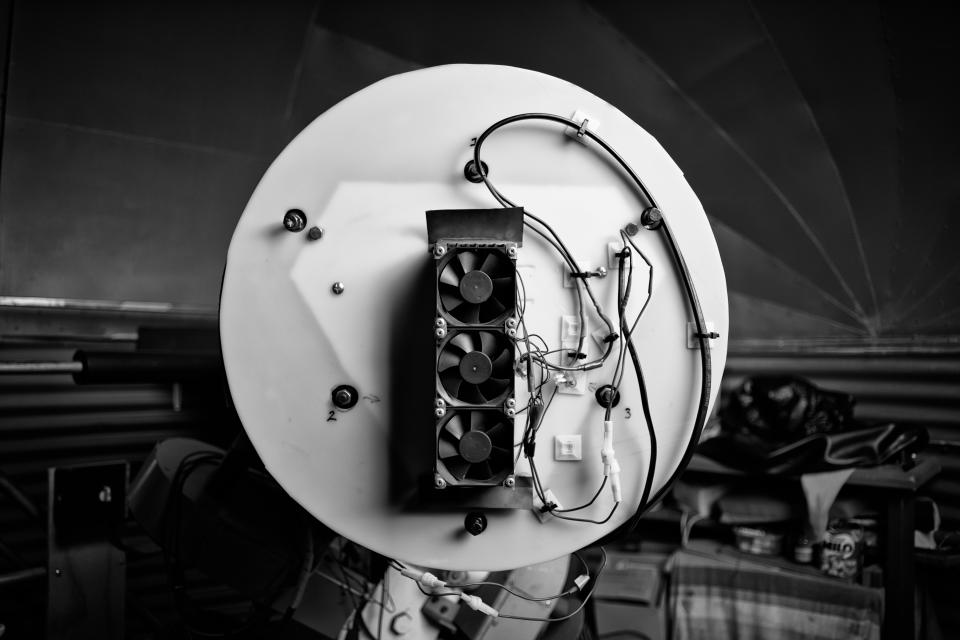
581	581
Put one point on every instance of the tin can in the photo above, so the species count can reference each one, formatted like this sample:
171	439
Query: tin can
841	554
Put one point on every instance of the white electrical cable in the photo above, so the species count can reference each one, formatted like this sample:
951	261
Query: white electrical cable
611	468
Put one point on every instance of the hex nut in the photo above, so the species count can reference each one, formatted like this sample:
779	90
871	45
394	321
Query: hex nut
315	233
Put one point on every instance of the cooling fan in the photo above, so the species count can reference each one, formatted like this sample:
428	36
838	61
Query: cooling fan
476	367
474	447
477	286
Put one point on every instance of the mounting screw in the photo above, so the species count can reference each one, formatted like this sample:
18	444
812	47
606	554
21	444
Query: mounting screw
512	252
439	250
511	412
315	233
470	171
440	332
651	218
509	482
475	523
439	482
511	403
294	220
632	229
439	322
439	412
439	403
345	397
337	288
512	333
511	322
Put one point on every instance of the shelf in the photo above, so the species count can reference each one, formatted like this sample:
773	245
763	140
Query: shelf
888	476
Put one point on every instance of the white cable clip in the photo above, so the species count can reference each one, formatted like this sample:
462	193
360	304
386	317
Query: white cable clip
611	468
475	603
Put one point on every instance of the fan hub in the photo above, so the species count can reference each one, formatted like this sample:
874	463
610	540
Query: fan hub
476	367
475	446
476	287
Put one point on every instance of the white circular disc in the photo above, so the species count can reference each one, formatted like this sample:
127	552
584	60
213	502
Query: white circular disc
365	172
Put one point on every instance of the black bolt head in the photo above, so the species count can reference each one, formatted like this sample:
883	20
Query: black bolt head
475	523
294	220
345	397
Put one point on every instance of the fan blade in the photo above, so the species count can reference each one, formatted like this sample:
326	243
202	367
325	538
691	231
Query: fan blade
492	389
480	471
503	365
488	343
494	429
469	313
452	381
455	426
468	260
458	467
448	360
500	460
449	276
464	342
477	420
445	448
470	393
451	301
491	309
491	264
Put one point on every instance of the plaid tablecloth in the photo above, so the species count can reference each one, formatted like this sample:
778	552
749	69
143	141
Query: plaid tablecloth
719	597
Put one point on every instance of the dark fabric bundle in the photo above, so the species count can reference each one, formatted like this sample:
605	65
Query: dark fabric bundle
781	424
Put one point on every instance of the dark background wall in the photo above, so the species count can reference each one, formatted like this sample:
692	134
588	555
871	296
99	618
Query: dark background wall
820	136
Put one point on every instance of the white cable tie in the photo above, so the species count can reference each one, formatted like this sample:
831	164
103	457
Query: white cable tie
581	581
475	603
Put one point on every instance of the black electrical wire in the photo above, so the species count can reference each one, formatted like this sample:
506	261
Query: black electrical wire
583	603
664	229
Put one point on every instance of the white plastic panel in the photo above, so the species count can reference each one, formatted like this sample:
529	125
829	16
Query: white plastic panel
366	171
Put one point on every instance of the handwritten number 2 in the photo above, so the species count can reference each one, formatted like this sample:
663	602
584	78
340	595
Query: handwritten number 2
331	417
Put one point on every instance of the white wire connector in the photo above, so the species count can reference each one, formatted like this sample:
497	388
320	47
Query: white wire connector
611	468
475	603
425	578
581	581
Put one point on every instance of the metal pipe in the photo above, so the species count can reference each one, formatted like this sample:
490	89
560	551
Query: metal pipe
116	306
40	368
14	577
